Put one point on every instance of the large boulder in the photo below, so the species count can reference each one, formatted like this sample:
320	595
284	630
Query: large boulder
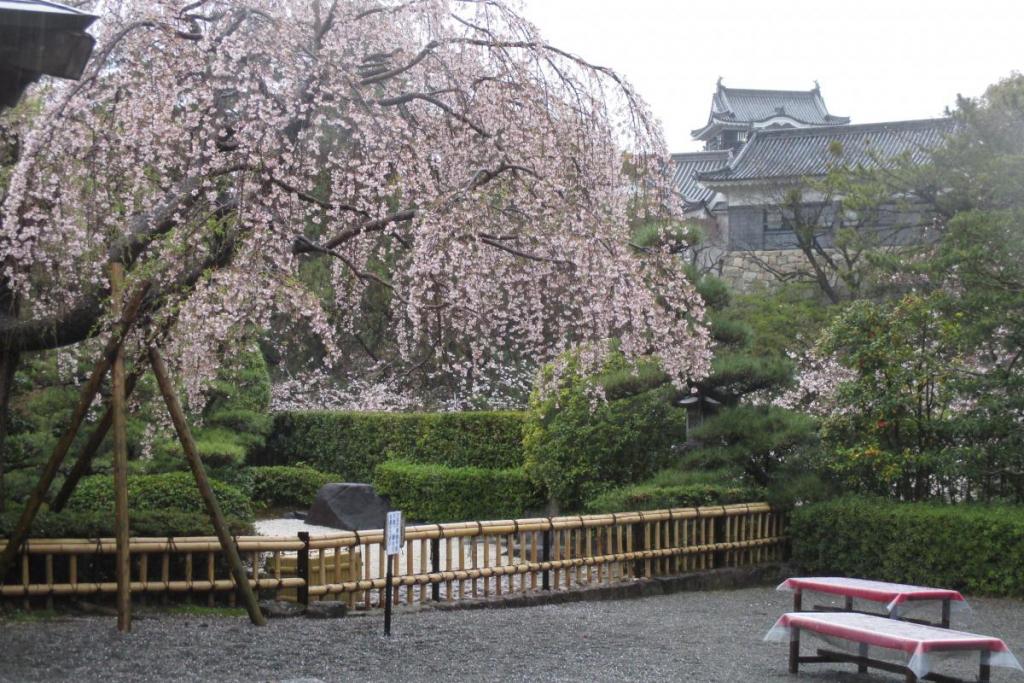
350	507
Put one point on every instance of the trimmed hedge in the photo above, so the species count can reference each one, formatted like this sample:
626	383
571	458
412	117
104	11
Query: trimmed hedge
350	444
93	524
655	497
978	549
171	492
435	493
577	450
282	485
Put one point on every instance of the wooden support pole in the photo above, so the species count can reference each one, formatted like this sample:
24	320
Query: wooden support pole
84	460
203	483
123	564
60	451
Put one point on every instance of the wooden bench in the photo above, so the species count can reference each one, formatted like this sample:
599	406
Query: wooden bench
918	644
894	597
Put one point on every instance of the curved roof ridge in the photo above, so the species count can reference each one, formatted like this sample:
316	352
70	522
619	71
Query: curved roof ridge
702	154
854	127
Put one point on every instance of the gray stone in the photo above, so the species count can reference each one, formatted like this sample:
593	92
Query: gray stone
279	609
350	507
330	609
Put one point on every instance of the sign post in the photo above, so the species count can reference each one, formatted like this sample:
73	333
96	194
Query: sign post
394	537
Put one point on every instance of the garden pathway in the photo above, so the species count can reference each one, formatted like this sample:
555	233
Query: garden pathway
708	636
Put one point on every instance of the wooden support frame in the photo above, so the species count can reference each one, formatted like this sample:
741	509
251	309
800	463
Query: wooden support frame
85	457
86	395
205	490
119	424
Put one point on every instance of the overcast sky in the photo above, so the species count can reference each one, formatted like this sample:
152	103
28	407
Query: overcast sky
876	60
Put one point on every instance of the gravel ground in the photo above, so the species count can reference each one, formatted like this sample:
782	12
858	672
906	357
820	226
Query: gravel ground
705	636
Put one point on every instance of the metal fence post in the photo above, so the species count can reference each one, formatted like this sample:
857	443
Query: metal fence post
638	545
302	568
546	557
719	558
435	567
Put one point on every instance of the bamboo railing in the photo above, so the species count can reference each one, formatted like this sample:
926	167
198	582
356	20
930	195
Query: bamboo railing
440	561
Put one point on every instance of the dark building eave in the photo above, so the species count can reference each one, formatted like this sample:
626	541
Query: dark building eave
40	38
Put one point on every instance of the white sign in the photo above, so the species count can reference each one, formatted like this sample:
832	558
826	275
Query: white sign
394	532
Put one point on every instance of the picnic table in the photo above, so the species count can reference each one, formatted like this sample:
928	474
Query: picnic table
894	596
917	647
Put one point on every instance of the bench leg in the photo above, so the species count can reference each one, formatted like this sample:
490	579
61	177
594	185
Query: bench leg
862	650
794	651
945	613
984	669
798	599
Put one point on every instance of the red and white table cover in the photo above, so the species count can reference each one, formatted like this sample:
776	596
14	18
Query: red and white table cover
894	595
921	644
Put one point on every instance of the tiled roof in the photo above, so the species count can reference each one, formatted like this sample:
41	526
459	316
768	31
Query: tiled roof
688	165
801	152
745	106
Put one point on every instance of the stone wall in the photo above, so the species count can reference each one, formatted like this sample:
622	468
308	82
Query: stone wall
745	272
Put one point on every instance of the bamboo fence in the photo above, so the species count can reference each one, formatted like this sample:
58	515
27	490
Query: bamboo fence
447	562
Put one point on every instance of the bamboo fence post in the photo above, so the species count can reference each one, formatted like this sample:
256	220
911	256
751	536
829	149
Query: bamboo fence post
337	566
487	563
499	576
587	538
472	564
118	422
60	451
211	576
302	569
212	506
354	569
367	572
423	568
381	571
546	557
322	566
579	569
409	570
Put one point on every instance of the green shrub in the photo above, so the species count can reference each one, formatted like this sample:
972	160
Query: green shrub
282	485
350	444
171	492
435	493
973	548
674	488
577	446
145	522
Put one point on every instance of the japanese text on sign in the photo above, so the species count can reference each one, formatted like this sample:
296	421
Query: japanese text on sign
394	532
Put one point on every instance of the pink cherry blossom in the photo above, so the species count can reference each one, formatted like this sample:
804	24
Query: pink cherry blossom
214	145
